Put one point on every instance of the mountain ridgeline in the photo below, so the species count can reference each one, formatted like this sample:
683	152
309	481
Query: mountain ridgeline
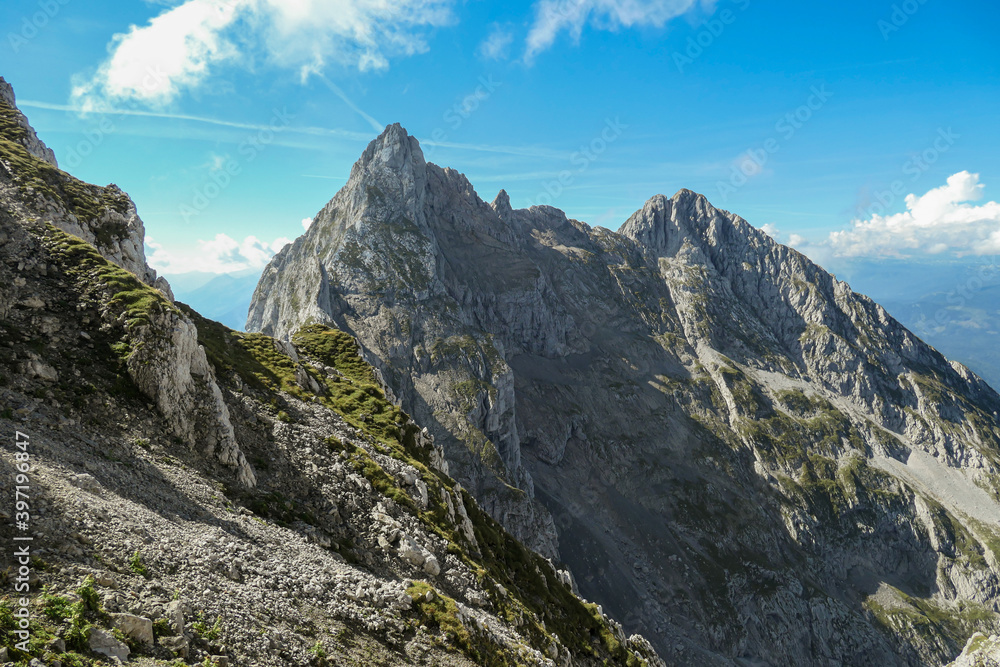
734	453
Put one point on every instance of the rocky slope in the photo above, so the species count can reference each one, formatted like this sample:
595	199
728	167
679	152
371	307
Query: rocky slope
733	452
225	498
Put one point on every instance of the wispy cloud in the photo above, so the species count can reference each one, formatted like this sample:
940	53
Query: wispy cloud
111	111
940	221
553	17
377	126
184	45
523	151
497	45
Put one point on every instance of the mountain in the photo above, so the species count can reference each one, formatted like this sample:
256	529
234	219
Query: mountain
224	297
731	451
197	494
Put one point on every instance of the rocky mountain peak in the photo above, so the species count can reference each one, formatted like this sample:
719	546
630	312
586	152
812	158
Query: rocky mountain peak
501	203
663	224
26	136
394	150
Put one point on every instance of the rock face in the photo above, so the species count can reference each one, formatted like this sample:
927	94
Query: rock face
27	136
981	651
373	256
741	458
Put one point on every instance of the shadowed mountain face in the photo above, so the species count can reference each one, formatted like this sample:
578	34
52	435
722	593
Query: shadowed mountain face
733	452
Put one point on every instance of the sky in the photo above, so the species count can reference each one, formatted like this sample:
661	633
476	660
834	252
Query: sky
854	131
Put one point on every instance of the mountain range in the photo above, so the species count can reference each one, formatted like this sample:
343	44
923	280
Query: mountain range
459	433
733	452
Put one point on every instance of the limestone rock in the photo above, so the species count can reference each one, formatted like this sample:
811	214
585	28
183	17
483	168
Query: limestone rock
980	651
137	627
105	643
29	139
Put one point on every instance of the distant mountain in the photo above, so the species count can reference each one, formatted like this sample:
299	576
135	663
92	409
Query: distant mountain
734	453
954	305
222	297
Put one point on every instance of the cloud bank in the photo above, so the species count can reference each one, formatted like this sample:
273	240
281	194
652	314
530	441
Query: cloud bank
942	220
223	254
177	50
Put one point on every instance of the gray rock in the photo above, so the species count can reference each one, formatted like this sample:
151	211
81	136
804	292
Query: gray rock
179	646
979	651
30	141
105	643
137	627
174	613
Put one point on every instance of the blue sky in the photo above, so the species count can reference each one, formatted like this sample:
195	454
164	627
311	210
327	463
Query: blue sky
241	118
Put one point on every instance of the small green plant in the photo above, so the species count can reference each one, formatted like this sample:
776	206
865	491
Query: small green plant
55	607
88	595
209	633
318	651
161	628
284	417
137	566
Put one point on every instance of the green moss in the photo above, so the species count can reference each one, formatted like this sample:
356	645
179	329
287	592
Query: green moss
125	293
374	473
38	178
933	622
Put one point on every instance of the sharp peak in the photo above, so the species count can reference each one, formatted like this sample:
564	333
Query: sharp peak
394	148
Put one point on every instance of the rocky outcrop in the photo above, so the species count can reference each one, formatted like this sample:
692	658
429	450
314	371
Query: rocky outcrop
980	651
744	459
104	217
26	137
173	370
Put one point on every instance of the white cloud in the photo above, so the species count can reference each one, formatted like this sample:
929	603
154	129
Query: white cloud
182	46
223	254
555	16
497	45
796	240
307	223
771	230
939	221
